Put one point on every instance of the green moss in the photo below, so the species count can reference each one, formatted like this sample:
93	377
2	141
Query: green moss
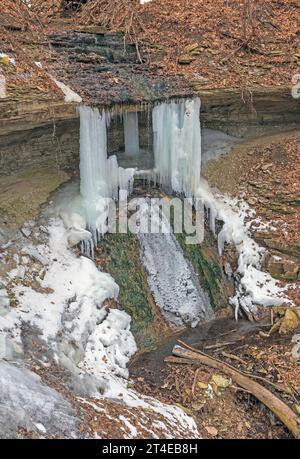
208	268
122	260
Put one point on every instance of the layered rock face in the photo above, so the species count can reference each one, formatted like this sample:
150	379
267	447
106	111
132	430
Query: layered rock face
37	132
265	110
106	70
43	129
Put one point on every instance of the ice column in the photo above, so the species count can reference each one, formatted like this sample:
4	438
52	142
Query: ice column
100	176
177	145
131	133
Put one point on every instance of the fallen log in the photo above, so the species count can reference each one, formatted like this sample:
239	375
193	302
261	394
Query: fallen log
277	406
245	373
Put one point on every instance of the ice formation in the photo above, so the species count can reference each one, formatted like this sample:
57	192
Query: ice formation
171	277
26	402
254	287
100	176
177	151
70	304
131	133
177	145
66	306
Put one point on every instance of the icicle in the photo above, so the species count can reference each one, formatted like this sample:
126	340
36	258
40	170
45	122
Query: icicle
113	176
131	133
100	176
126	179
177	145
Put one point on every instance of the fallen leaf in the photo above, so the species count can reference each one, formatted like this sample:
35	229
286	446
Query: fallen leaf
220	381
211	430
202	385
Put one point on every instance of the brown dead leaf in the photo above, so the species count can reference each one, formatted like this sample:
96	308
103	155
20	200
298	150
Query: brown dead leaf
211	430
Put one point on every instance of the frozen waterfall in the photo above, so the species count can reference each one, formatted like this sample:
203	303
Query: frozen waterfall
100	176
177	145
177	152
171	276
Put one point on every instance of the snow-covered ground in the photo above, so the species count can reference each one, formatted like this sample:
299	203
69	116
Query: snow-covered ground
26	402
63	297
68	299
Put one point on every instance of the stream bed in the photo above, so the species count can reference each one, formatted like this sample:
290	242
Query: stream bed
211	333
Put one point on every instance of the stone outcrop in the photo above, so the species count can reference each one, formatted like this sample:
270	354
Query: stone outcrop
263	110
268	240
106	70
37	133
36	130
283	267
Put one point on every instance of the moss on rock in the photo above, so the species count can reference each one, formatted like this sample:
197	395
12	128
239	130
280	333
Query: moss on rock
208	267
120	254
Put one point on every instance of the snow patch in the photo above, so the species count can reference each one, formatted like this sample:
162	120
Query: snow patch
254	287
70	302
175	417
70	95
